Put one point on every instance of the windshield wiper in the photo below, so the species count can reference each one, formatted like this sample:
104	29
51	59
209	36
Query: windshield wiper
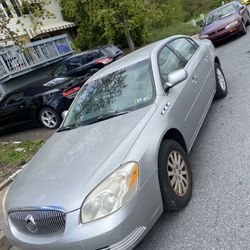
67	128
93	120
104	117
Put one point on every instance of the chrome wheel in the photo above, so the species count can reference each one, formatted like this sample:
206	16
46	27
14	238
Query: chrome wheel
178	174
221	79
49	118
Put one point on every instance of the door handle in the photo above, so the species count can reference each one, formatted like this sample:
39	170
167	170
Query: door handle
194	79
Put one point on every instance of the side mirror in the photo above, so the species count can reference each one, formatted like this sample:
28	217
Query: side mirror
64	114
175	78
242	7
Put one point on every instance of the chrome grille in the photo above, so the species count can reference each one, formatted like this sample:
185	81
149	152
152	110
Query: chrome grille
39	221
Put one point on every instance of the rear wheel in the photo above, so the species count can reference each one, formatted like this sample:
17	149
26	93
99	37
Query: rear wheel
248	19
174	176
49	118
221	83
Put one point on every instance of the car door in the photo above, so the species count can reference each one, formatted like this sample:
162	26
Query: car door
14	110
190	98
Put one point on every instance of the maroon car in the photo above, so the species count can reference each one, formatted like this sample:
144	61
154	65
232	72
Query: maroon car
226	21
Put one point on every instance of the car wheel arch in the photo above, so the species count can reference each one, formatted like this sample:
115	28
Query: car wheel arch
217	60
176	135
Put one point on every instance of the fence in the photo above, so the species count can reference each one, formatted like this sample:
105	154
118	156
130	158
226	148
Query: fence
14	62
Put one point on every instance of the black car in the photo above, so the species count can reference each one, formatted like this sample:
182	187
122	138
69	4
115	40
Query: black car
88	62
38	102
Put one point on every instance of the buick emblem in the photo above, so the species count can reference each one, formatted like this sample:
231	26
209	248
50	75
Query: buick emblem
31	224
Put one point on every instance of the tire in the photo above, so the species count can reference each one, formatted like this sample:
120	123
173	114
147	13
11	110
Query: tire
49	118
173	197
248	19
244	28
221	82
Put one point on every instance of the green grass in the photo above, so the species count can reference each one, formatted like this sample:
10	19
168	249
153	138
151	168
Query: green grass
13	156
174	29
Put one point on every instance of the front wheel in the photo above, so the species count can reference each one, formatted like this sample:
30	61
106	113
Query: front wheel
174	176
49	118
221	83
244	28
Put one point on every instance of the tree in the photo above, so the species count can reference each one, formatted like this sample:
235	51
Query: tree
106	21
35	12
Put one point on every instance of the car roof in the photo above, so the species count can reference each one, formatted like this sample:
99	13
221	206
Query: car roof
88	51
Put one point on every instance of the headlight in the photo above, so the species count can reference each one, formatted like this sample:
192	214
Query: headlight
203	36
112	193
229	26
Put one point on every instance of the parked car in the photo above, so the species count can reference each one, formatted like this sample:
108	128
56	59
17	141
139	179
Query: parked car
88	62
245	2
119	159
226	21
37	102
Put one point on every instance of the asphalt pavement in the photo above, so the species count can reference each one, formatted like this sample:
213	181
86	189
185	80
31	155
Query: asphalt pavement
218	214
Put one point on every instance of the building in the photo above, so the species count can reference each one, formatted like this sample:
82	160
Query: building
22	23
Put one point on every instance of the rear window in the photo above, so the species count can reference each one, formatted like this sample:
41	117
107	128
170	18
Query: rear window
111	51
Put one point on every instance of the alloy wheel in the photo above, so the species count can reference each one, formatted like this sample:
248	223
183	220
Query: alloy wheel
178	173
221	79
49	119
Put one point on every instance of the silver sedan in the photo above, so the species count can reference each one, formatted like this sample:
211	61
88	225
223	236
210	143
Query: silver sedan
119	158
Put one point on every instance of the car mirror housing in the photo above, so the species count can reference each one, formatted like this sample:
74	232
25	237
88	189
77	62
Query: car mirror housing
175	78
64	114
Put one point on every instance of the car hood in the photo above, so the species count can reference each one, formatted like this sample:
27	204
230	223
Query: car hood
220	24
74	162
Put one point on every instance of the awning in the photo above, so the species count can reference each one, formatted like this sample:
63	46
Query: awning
50	28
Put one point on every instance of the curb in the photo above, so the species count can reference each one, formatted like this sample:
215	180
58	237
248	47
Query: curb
7	182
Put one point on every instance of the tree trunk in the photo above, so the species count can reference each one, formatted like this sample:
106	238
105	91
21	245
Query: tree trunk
130	40
127	33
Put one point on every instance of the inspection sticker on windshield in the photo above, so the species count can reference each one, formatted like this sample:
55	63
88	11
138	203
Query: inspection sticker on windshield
142	99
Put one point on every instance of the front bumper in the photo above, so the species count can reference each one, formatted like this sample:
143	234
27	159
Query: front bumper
224	34
120	230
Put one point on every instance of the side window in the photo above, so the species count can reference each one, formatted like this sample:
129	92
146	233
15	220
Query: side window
14	98
111	51
184	47
59	70
92	56
168	62
75	61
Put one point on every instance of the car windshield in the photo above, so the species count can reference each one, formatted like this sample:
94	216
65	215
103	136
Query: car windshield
122	91
219	14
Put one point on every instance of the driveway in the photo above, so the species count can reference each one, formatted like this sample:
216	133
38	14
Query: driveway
33	133
218	214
